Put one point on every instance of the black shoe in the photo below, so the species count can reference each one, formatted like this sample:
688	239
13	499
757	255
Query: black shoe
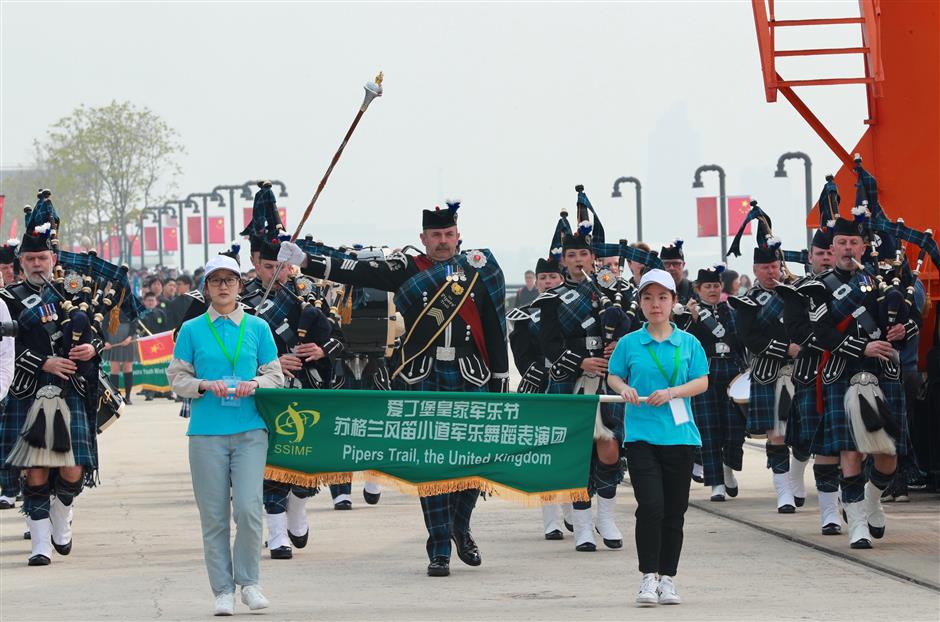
371	497
27	535
587	547
282	552
786	509
862	543
149	398
19	497
569	526
718	498
799	501
555	534
62	549
876	532
298	541
6	505
39	560
467	549
343	505
439	567
732	492
831	529
698	479
128	401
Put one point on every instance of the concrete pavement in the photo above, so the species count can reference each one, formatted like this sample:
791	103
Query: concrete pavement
137	556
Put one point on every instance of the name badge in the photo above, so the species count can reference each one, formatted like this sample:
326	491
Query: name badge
231	401
680	414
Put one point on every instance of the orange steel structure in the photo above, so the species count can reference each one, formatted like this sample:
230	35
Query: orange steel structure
900	47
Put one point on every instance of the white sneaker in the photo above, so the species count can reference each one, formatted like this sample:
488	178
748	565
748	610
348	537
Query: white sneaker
252	596
648	596
225	604
667	592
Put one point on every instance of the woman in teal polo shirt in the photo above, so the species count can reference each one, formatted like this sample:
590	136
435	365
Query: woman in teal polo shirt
220	358
666	366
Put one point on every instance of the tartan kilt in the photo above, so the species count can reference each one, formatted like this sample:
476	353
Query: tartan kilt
804	420
836	429
444	376
760	408
82	430
718	419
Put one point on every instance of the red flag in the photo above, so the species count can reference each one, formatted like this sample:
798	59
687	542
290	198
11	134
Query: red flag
738	207
135	247
247	215
150	238
707	216
170	239
12	233
115	244
2	199
194	229
155	348
217	230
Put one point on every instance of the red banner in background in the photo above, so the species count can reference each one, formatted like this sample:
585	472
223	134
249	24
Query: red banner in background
12	234
135	247
707	208
171	239
2	200
150	238
738	207
194	230
217	230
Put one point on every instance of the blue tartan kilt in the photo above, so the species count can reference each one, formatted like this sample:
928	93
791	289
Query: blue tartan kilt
836	429
760	408
444	376
804	420
84	435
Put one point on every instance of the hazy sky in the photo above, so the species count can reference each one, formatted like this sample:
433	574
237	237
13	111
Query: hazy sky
505	106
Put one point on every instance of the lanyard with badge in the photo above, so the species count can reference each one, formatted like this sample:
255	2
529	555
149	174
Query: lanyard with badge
230	381
680	414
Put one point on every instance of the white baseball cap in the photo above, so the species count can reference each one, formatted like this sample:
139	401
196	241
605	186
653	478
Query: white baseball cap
660	277
222	262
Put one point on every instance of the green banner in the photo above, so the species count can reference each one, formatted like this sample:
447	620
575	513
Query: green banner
534	448
147	377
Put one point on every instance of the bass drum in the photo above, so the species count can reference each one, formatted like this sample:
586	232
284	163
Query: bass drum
110	403
739	391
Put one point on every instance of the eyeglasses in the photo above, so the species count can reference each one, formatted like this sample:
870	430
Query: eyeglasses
228	281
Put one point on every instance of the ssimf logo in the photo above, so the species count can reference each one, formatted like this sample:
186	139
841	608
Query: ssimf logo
293	422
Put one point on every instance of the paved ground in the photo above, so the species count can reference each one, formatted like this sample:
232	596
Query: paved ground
137	555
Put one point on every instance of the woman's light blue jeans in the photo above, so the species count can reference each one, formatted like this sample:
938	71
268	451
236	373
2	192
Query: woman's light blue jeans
227	473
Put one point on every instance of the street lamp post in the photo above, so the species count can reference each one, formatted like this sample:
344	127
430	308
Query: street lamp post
180	203
807	178
206	197
639	202
722	200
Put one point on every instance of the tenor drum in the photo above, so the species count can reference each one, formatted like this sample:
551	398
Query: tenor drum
739	390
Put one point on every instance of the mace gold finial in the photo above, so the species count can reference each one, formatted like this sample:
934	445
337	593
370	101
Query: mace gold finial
379	78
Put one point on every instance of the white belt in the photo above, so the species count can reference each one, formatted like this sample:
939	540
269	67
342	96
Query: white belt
445	353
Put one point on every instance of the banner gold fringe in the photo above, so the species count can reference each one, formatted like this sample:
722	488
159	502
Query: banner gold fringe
426	489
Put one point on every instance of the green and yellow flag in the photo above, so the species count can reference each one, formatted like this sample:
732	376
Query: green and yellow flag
531	448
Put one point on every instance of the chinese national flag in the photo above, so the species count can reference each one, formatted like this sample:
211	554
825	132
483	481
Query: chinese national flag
738	207
150	238
194	229
12	234
135	247
170	239
707	216
217	230
155	348
2	199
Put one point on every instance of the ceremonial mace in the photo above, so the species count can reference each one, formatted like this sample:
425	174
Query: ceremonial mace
373	90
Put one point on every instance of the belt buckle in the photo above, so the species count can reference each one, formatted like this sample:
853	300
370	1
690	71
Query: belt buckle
445	353
722	348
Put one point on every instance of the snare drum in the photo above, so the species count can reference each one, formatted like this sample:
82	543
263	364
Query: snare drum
739	391
110	403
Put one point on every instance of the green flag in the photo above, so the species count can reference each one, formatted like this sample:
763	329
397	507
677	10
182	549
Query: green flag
532	448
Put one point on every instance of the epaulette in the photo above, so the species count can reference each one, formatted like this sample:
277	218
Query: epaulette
742	302
517	314
6	293
550	294
196	295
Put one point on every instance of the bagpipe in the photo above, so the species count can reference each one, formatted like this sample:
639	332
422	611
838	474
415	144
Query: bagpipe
83	291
